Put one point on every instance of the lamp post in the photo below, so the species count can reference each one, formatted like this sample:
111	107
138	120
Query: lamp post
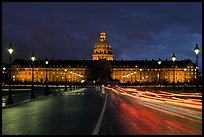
140	78
196	50
32	89
135	74
173	59
4	76
159	62
46	90
65	70
70	86
184	77
9	100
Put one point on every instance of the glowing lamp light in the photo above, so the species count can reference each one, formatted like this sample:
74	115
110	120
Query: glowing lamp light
159	61
10	50
33	57
173	57
196	49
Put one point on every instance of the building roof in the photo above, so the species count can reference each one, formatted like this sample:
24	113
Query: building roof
114	63
151	63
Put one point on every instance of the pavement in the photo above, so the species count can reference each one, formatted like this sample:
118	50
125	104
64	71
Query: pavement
25	97
73	112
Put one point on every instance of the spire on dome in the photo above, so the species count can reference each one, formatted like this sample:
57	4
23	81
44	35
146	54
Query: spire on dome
102	35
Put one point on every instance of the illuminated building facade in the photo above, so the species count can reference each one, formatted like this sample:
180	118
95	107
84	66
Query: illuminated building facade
103	68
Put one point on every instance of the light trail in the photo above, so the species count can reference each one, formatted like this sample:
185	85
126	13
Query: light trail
172	103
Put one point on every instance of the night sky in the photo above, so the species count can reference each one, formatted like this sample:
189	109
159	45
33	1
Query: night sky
135	30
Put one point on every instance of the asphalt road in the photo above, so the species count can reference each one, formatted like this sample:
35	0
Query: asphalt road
78	112
67	113
124	116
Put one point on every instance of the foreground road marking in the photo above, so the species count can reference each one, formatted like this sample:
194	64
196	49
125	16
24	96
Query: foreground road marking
96	130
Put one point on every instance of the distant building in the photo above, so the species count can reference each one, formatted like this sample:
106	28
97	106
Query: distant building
102	49
103	68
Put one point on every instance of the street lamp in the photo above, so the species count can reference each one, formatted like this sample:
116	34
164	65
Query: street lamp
32	89
65	70
135	73
4	75
9	100
173	59
185	76
140	78
46	90
159	62
196	49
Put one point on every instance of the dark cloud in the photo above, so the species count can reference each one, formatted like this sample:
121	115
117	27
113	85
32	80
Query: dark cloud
138	30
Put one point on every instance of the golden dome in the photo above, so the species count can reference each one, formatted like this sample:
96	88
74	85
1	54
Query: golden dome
102	49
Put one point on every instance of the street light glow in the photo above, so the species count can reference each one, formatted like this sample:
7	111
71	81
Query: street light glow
159	61
196	49
33	58
10	49
173	57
